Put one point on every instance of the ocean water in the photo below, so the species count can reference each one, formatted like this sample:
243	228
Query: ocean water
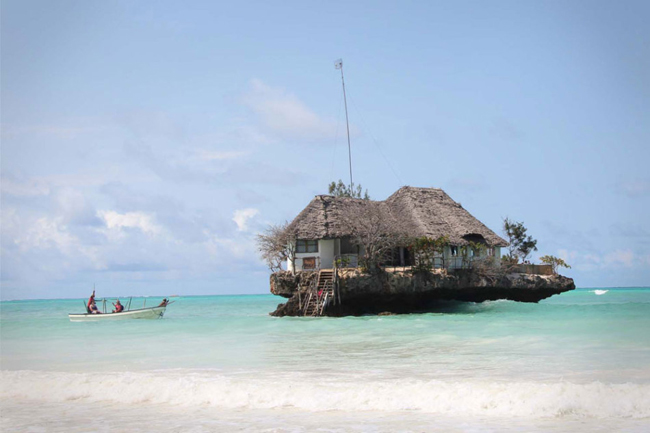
579	361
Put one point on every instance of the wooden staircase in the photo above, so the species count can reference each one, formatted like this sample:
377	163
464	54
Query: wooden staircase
321	295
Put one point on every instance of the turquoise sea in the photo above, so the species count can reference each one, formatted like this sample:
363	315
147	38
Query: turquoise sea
579	361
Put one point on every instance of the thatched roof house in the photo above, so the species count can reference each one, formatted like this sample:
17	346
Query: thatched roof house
325	227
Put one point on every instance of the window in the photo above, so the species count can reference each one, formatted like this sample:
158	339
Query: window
304	246
490	252
454	251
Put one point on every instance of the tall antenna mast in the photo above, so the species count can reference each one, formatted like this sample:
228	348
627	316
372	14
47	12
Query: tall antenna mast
339	65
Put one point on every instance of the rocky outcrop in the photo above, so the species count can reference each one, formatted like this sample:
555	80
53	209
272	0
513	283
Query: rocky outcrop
405	292
286	284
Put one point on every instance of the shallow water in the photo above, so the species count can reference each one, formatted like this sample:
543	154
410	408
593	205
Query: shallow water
221	363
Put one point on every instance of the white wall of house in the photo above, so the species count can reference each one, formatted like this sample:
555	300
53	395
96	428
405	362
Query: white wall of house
452	260
327	250
456	261
301	256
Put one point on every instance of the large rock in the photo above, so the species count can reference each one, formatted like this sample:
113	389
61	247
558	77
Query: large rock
286	284
404	292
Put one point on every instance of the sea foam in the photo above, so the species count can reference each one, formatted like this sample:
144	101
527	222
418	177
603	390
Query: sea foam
251	391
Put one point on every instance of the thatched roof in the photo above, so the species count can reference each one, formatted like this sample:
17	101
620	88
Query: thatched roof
417	211
433	214
326	217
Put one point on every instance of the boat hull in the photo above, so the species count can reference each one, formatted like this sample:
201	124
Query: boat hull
143	313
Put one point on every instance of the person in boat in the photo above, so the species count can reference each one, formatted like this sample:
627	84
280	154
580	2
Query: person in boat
92	308
118	307
164	302
91	301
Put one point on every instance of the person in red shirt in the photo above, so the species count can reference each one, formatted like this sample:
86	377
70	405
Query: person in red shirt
91	301
92	306
118	307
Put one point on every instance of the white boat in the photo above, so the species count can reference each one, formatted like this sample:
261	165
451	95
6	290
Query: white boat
142	313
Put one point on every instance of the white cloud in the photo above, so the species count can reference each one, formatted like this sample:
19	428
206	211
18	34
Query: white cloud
241	217
580	261
594	261
567	255
620	258
25	238
29	188
284	114
227	248
140	220
46	233
634	188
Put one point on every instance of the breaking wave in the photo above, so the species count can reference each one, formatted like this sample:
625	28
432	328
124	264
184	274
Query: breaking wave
188	389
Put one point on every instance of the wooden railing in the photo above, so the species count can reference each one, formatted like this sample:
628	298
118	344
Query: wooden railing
321	292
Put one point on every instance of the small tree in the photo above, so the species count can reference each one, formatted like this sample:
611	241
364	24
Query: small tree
276	245
475	250
439	246
375	231
520	246
555	262
508	261
342	190
424	251
463	251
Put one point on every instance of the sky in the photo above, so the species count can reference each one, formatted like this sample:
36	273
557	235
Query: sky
146	143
